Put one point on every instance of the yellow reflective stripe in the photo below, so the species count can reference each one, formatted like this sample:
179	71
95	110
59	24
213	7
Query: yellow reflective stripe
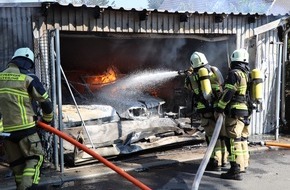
245	152
239	152
215	86
18	127
14	92
222	104
230	86
242	89
18	178
218	148
12	76
47	117
45	95
37	170
22	110
232	157
200	105
240	106
1	125
28	172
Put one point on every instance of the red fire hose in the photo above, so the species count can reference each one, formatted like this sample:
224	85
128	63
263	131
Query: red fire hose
94	154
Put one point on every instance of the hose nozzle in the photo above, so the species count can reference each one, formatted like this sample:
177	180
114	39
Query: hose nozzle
181	72
184	72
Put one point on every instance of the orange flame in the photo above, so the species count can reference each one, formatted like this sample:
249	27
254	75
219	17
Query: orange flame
110	75
153	92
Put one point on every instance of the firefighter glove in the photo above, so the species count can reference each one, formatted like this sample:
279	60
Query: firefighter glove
46	122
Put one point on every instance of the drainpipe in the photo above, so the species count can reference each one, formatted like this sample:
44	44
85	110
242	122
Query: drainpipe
53	96
278	92
284	76
59	96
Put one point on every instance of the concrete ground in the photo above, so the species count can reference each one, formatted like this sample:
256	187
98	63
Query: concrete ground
138	162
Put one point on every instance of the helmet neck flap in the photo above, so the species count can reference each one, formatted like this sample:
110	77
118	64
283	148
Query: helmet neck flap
23	63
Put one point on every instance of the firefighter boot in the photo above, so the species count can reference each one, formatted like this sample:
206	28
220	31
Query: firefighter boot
213	165
233	173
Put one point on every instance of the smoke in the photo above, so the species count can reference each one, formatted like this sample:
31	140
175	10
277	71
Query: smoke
170	52
130	90
154	53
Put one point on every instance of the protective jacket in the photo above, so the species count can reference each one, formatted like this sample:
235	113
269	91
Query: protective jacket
192	82
17	89
234	99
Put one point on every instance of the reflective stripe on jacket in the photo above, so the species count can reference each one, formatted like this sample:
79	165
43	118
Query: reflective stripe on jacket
234	95
16	93
192	82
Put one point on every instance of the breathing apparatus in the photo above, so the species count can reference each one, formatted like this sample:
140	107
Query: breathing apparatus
198	62
256	88
241	58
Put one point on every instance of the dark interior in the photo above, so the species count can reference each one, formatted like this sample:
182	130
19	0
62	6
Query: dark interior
93	53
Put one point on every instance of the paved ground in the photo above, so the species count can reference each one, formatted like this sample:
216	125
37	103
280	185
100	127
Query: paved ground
269	170
170	169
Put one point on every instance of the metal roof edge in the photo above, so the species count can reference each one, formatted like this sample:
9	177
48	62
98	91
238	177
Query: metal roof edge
28	3
20	5
39	4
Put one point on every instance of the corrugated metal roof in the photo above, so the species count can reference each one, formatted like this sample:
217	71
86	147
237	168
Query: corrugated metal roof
236	7
220	6
280	7
23	3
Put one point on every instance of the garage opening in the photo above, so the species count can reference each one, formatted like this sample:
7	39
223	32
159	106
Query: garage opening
94	61
129	91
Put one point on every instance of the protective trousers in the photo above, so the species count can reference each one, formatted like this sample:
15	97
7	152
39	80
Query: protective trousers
234	128
219	153
25	158
245	148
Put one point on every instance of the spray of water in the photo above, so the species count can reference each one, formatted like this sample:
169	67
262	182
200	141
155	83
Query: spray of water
129	90
143	80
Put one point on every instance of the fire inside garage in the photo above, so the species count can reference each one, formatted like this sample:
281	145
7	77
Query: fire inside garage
140	77
94	61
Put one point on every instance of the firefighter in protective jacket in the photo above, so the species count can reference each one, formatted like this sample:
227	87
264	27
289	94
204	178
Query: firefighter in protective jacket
234	104
205	82
18	88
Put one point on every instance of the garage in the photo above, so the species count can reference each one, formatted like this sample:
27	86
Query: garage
83	50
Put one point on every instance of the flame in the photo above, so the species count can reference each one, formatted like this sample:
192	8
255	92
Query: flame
153	92
110	75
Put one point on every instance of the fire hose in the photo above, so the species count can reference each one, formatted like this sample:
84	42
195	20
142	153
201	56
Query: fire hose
264	143
208	153
94	154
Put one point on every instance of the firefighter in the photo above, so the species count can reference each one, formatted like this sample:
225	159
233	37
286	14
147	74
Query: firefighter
233	103
18	88
205	83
